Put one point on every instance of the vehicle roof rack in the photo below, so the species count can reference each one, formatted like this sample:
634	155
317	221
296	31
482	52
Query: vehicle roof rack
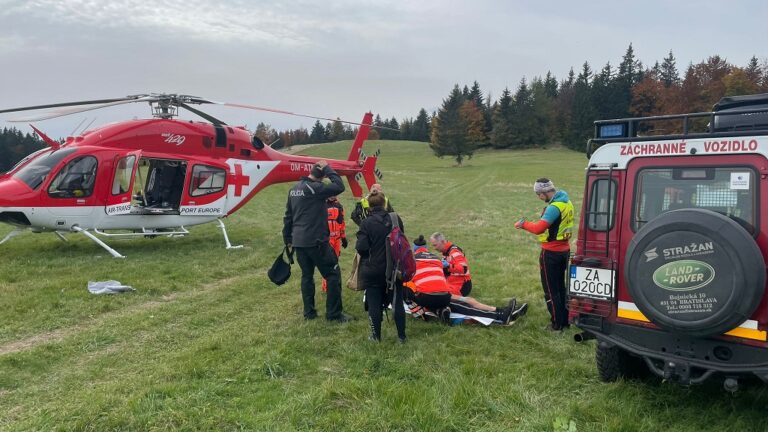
731	116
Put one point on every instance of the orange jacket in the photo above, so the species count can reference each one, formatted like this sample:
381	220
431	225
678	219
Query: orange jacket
429	277
336	226
457	271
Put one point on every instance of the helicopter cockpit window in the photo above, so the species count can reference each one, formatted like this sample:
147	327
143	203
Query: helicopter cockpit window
75	180
35	172
123	175
207	180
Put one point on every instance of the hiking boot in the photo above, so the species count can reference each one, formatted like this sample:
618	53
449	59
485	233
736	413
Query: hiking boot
401	340
512	304
373	338
343	318
445	315
519	312
556	329
310	316
505	316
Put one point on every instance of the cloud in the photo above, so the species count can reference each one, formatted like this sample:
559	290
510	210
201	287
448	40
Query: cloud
192	19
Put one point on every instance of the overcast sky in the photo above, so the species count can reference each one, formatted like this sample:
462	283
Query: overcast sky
339	58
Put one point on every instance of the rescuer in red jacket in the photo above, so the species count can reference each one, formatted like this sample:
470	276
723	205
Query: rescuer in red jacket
337	228
455	264
429	289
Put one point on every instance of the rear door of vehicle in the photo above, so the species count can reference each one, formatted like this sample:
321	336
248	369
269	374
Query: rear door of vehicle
594	269
728	184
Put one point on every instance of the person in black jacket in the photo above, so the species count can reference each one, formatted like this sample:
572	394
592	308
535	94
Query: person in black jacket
305	228
371	245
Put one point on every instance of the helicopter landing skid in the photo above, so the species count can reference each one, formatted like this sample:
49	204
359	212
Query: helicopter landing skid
12	234
226	237
111	251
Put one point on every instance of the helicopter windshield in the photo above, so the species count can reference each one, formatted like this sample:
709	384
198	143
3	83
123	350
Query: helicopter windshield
29	157
35	172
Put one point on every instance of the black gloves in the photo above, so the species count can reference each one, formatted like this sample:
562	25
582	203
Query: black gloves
344	242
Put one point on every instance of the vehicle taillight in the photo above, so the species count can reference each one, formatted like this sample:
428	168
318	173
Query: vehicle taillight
578	305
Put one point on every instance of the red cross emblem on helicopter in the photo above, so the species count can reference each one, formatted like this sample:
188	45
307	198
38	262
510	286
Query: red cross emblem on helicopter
239	180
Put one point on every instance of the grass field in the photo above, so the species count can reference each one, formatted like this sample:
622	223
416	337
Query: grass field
208	343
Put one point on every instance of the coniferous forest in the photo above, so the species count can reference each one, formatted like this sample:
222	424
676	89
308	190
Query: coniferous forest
542	110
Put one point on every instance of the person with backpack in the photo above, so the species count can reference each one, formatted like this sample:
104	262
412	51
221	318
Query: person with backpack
429	289
455	264
306	231
380	289
337	229
363	208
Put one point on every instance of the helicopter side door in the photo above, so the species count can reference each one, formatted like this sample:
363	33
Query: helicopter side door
207	191
121	189
72	192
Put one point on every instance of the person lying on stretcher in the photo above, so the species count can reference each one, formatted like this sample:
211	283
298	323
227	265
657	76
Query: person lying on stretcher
430	290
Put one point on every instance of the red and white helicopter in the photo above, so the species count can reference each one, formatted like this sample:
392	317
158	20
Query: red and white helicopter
154	176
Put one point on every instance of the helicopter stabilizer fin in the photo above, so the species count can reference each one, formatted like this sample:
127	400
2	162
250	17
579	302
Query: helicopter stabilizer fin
357	146
51	142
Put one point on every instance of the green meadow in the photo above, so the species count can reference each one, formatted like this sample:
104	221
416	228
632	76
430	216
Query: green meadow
208	343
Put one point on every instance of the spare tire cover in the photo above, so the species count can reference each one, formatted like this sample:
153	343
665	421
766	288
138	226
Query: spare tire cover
695	272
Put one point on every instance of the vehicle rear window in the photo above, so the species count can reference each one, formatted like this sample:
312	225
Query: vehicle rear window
730	191
35	172
602	205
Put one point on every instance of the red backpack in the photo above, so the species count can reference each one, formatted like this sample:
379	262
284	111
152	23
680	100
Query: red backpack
401	265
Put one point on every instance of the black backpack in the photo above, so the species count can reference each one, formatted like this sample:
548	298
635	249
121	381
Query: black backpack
281	270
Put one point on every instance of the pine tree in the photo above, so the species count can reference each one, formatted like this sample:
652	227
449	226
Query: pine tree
543	111
523	125
406	129
668	73
336	132
550	85
564	109
584	113
449	132
754	71
474	124
15	146
630	73
421	127
604	93
318	133
501	134
476	96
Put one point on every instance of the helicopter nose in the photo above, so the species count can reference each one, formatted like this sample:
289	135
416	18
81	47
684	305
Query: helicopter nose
10	188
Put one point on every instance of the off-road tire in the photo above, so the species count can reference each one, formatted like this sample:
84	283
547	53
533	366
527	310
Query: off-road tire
719	252
614	363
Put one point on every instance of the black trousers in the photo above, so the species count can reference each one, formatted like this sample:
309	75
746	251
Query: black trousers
377	298
435	301
324	258
553	266
466	288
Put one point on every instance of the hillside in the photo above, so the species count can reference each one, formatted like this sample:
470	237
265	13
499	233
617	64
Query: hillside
208	343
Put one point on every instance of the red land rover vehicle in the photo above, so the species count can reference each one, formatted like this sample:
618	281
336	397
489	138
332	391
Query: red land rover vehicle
669	272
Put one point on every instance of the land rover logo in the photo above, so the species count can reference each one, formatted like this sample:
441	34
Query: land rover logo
651	254
683	275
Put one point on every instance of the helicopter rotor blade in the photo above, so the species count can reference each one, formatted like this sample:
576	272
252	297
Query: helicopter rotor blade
208	117
77	108
68	104
278	111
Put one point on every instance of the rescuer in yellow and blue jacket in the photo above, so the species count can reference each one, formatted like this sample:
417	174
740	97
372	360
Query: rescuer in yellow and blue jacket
554	231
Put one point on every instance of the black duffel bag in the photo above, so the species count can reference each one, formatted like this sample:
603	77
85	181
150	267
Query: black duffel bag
281	269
